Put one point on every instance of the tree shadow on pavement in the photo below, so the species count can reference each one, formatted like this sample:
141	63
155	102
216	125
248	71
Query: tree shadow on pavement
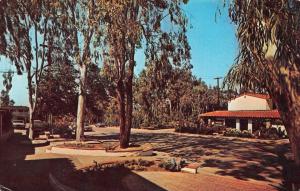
262	160
19	174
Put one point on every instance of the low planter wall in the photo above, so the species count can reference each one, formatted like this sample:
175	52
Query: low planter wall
85	152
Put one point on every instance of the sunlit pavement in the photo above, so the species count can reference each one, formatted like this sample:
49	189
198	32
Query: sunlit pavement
227	163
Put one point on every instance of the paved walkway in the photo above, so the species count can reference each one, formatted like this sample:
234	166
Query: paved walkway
226	167
191	182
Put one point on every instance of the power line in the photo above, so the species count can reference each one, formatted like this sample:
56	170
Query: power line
10	71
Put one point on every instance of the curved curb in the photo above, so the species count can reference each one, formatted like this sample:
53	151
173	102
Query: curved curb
36	143
58	186
100	153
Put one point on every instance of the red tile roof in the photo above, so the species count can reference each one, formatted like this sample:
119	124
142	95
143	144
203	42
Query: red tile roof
269	114
262	96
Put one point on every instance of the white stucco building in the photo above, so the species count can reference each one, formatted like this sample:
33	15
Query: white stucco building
248	111
250	102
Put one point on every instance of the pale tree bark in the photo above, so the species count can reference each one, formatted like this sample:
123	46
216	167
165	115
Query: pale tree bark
81	103
285	92
31	114
39	68
289	109
82	62
288	104
284	89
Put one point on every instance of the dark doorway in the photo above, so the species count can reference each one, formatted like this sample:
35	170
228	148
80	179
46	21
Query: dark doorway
244	124
230	123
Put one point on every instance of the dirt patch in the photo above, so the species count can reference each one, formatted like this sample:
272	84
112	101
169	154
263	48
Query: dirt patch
89	145
132	148
107	146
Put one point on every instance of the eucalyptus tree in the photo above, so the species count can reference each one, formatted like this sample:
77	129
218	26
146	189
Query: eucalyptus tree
79	21
58	87
269	38
7	84
26	26
130	25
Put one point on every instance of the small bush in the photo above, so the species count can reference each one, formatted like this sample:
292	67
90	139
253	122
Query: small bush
230	132
172	165
188	127
270	133
61	129
246	134
138	165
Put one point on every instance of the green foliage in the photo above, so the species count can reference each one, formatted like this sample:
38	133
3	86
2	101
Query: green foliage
246	134
111	115
177	96
7	83
270	133
172	165
98	92
58	88
188	127
230	132
267	31
139	165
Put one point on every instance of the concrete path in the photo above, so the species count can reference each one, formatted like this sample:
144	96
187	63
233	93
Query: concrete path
175	181
27	168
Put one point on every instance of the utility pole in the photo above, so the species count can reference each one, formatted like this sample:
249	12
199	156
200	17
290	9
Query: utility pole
218	89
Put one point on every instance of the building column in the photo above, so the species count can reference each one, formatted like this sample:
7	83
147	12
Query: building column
250	125
209	122
237	124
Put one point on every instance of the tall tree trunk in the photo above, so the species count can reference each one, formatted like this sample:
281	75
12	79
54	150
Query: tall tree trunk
289	109
288	103
129	96
81	103
31	106
284	89
122	114
31	123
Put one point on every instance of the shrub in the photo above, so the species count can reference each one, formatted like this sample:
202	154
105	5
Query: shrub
139	165
230	132
188	127
246	134
172	165
61	129
270	133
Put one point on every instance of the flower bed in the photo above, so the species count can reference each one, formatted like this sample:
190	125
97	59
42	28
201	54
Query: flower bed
101	149
188	127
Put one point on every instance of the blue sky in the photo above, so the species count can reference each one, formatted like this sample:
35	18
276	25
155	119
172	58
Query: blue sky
213	45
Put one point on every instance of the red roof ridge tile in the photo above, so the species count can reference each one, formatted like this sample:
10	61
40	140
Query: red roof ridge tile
244	114
258	95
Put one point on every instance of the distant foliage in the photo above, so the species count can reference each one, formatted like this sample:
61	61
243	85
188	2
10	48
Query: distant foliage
189	127
177	96
230	132
270	133
7	83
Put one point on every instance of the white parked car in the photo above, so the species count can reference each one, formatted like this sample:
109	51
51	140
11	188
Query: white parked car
18	124
39	124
